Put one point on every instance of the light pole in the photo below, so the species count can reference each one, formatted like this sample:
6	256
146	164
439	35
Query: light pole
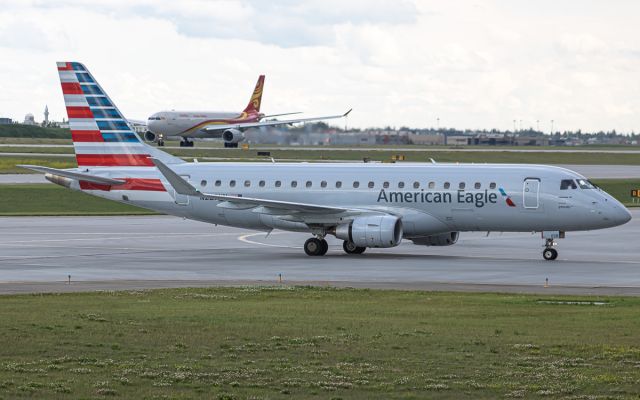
438	124
538	125
552	127
514	125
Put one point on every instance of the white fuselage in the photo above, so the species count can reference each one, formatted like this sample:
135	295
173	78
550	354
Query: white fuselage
430	198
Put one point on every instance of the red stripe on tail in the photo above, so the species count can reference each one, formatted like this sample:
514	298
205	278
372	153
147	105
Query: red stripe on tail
149	185
79	112
67	67
71	88
86	136
114	160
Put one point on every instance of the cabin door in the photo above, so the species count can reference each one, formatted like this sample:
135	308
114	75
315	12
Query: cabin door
531	193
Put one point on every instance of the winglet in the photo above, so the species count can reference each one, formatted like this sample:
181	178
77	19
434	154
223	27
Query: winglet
179	185
347	113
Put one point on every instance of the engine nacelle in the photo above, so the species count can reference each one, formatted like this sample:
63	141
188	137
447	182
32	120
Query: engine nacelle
150	136
372	231
443	239
232	136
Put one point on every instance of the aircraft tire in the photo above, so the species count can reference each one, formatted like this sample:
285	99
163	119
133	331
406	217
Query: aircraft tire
313	247
351	248
550	254
325	247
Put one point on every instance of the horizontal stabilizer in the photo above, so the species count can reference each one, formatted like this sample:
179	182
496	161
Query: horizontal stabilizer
75	175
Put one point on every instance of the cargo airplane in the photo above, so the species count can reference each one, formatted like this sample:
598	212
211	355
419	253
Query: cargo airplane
365	205
228	126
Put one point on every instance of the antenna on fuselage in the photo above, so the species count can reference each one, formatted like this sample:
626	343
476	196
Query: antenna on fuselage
433	161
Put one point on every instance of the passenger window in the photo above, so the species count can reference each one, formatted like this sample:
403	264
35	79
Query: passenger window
309	184
261	184
247	183
385	185
492	185
477	185
567	184
400	185
447	185
218	182
323	184
278	183
203	183
371	184
338	184
294	183
232	183
356	184
432	185
461	186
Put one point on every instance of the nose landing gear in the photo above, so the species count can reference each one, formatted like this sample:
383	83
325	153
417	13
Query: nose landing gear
549	253
316	247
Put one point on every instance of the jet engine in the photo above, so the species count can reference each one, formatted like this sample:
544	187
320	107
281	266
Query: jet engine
232	136
372	231
443	239
149	136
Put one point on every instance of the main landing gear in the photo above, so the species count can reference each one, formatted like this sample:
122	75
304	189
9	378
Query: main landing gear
231	145
351	248
186	143
316	247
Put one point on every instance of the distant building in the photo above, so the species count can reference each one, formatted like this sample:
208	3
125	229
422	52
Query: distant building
429	140
29	119
457	140
5	121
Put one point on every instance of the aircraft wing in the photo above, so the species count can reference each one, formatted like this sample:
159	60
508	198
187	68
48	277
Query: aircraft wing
184	188
75	175
241	125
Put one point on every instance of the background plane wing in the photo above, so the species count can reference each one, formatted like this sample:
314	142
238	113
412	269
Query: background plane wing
241	125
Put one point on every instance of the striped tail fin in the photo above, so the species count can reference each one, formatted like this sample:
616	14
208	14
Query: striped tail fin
101	135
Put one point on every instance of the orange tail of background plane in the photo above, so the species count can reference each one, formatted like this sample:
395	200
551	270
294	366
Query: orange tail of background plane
256	97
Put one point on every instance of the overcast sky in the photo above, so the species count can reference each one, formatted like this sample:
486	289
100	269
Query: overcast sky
472	64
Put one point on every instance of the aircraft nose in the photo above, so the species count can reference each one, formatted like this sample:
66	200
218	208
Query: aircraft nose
620	215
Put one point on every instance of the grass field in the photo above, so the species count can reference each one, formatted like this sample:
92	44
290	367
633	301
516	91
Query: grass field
294	154
8	164
317	343
43	199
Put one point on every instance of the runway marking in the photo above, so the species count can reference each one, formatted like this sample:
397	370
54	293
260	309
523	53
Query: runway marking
244	238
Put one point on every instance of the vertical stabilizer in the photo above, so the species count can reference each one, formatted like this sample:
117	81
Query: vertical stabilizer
101	135
256	98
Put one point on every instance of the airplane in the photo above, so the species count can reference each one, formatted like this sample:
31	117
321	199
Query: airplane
366	205
228	126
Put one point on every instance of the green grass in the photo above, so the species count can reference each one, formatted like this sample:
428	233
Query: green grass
27	131
8	165
619	188
42	199
316	343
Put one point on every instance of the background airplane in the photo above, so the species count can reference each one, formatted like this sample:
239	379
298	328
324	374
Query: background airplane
365	205
228	126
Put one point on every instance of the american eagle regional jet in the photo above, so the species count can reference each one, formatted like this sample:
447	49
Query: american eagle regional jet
366	205
228	126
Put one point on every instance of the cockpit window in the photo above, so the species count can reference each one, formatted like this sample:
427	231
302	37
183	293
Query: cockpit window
567	184
585	184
